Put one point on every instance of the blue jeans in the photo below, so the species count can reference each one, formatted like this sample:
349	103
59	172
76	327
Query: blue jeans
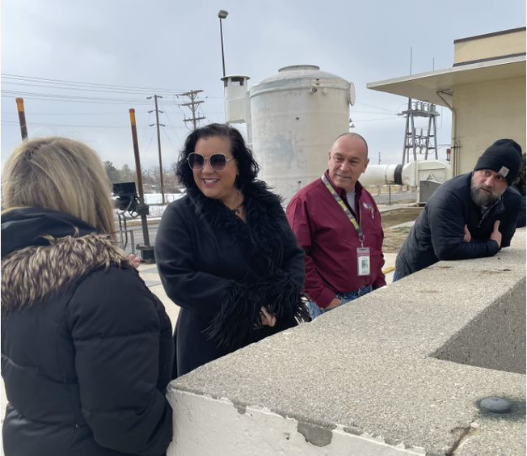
315	311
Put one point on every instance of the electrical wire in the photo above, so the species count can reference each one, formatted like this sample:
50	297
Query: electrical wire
147	90
39	124
71	98
374	107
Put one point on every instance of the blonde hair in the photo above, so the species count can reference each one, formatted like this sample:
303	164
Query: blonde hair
59	174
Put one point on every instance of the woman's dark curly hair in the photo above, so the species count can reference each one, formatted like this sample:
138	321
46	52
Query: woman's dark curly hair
247	166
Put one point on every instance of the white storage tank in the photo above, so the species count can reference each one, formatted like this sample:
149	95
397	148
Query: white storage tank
295	117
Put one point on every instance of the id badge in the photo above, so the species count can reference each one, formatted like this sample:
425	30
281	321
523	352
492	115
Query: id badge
363	261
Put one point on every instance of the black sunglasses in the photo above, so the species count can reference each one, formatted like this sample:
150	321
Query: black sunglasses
218	162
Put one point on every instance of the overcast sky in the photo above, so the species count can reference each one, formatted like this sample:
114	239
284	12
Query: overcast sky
115	53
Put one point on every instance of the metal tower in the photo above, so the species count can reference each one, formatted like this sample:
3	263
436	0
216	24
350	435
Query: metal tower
419	143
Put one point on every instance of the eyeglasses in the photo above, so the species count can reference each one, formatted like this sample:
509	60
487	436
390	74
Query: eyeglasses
218	162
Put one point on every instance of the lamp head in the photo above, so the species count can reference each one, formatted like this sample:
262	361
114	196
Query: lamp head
222	14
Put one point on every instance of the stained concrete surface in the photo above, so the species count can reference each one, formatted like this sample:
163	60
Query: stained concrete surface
370	366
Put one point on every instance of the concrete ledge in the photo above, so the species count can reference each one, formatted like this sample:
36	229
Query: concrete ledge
400	371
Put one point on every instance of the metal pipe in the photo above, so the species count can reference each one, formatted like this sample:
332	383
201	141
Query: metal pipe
454	160
144	222
21	117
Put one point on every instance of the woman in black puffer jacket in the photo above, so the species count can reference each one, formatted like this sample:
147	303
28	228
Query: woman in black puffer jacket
86	347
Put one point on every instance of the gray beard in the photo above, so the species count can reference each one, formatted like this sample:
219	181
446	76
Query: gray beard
480	199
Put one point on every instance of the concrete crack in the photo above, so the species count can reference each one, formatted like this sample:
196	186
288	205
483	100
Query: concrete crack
462	434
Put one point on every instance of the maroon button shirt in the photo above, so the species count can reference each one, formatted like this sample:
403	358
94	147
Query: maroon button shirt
330	240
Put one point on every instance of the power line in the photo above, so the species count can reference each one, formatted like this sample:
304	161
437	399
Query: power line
144	131
170	140
38	124
69	98
171	124
370	112
374	120
41	124
82	89
67	113
88	84
375	107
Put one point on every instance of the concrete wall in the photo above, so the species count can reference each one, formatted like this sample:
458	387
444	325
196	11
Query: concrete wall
494	339
486	112
397	372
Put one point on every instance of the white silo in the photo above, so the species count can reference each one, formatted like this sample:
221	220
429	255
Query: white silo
295	117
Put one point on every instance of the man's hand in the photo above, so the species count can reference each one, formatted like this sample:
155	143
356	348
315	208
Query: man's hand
335	303
496	235
467	236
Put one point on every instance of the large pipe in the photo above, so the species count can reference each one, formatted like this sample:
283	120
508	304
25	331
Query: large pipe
382	174
409	174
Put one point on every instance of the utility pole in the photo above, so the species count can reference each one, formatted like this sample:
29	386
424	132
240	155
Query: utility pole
157	124
193	106
147	251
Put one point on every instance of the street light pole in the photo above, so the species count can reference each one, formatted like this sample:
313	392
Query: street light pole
222	14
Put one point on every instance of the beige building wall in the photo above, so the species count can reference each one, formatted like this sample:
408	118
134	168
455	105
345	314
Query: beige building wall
485	112
494	45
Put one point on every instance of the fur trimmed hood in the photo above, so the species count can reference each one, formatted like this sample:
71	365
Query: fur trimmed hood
48	265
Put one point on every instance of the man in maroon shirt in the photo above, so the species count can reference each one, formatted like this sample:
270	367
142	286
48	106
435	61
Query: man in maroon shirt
337	223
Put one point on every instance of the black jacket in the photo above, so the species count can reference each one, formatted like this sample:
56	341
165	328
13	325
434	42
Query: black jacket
438	231
86	347
220	271
521	212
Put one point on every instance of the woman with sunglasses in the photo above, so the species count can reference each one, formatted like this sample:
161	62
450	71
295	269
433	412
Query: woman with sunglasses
225	252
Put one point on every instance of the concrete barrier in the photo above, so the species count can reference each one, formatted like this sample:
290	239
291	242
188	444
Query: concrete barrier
400	371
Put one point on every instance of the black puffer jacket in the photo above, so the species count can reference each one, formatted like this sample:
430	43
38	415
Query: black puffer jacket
438	231
86	347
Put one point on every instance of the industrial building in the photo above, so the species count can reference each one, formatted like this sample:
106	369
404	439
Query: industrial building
484	89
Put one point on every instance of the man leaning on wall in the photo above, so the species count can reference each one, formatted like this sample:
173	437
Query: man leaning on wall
469	216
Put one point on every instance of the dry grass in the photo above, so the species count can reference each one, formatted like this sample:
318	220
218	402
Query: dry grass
395	237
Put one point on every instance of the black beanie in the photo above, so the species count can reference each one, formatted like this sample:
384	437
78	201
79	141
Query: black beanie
504	157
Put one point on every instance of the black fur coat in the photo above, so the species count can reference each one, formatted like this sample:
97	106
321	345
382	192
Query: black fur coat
221	271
